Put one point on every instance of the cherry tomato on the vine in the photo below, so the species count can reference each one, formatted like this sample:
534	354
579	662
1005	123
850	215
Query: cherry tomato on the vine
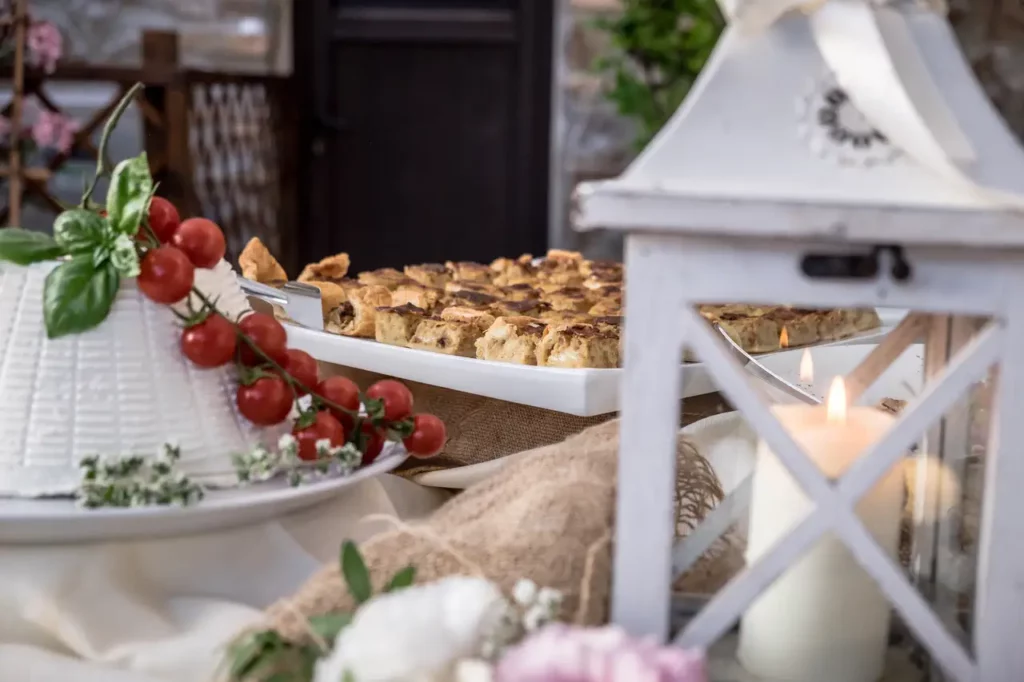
427	438
163	219
302	366
166	275
211	343
201	240
265	402
268	335
374	442
343	392
326	427
396	397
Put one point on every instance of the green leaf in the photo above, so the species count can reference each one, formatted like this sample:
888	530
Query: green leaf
78	295
131	188
329	625
80	231
354	570
25	247
402	579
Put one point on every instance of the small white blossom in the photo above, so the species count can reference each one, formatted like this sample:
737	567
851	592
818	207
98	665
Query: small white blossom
418	633
287	443
323	448
550	599
525	592
535	617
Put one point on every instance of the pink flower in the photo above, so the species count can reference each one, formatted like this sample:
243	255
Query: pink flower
53	130
559	653
45	45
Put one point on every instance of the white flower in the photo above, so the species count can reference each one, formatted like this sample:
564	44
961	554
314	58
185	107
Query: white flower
550	599
419	633
287	442
535	617
525	592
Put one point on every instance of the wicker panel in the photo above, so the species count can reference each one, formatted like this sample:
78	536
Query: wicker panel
233	140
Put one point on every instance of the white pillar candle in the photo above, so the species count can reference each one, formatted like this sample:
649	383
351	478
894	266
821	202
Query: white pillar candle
825	618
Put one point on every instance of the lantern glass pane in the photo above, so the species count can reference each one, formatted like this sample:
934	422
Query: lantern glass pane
824	613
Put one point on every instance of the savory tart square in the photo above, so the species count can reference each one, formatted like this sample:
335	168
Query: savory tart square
563	317
752	334
508	271
577	346
606	307
519	292
469	299
433	275
455	332
427	298
357	316
331	295
468	271
385	277
572	299
602	270
464	285
799	327
257	264
395	325
527	308
329	269
511	339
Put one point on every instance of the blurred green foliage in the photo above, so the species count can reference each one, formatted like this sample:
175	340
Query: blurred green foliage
659	48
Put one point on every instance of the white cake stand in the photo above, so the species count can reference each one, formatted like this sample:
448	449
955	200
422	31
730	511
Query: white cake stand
52	521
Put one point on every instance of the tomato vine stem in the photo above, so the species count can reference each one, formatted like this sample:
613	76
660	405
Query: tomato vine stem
102	167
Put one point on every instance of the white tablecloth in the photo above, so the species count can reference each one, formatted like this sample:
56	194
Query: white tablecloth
162	610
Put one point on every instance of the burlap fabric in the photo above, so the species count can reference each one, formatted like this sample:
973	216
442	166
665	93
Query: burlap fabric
481	429
548	516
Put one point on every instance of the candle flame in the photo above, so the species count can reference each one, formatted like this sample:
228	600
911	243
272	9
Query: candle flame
784	339
835	404
806	367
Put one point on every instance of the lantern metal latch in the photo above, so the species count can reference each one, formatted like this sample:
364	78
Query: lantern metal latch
857	265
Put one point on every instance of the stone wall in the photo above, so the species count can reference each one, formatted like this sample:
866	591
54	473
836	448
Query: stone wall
220	35
591	141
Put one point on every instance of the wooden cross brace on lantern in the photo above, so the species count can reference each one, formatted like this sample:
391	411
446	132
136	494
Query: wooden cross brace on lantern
725	205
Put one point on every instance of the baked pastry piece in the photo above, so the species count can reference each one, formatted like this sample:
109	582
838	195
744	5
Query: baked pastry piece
331	295
560	268
467	271
469	299
432	275
257	264
563	317
519	292
330	269
611	324
572	299
385	277
395	325
464	285
753	334
511	339
606	307
427	298
576	346
800	327
527	308
454	332
508	271
357	316
607	270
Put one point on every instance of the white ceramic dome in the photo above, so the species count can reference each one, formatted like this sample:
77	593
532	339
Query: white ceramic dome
122	388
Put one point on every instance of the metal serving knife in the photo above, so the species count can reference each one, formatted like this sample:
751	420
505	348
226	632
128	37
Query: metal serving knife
300	301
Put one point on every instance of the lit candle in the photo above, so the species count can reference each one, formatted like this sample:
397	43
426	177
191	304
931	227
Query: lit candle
824	618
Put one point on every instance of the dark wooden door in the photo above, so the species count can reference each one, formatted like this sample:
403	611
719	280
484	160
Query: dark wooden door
428	123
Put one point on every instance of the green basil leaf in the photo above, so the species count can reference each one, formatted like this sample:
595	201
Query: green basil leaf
354	570
78	295
131	188
25	247
79	231
329	625
402	579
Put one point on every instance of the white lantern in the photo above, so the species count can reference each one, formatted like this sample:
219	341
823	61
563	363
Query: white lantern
839	155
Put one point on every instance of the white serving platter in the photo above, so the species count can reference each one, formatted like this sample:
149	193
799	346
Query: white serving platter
580	392
53	521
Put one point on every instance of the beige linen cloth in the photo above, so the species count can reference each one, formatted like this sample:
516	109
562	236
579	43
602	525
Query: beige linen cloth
162	610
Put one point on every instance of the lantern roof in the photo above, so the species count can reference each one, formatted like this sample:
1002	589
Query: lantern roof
847	121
